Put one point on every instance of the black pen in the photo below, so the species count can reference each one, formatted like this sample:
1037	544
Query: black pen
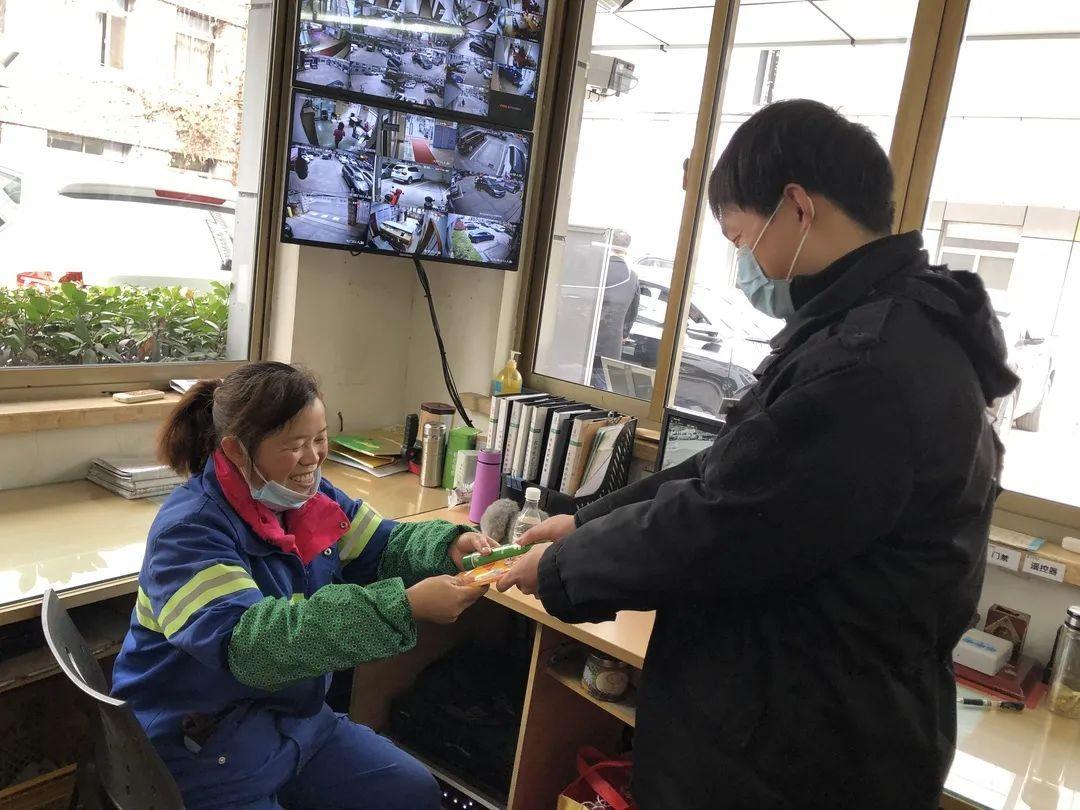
986	703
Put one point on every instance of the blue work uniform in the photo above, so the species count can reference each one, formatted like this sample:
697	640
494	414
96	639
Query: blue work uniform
228	744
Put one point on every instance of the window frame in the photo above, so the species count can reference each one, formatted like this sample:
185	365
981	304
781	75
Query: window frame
569	74
934	48
63	381
184	29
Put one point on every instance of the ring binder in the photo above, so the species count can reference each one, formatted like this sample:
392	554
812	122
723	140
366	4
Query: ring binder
555	502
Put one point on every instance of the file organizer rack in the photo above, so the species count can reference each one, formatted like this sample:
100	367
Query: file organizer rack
558	503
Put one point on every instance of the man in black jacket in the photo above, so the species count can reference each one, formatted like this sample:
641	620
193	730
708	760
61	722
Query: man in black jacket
812	570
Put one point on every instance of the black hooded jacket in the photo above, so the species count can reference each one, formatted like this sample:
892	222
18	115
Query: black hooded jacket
814	568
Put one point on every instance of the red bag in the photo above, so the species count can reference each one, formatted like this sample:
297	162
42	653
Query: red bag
599	778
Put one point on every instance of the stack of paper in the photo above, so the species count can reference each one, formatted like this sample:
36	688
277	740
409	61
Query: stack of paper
377	454
181	386
133	477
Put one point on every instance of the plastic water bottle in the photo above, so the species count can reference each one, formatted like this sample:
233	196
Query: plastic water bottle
529	516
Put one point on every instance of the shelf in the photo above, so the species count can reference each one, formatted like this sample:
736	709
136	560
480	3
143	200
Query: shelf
104	629
80	412
1028	551
568	673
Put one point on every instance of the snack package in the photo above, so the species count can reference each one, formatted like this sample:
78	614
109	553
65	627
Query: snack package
486	574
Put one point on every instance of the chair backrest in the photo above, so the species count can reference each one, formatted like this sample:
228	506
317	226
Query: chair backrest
130	772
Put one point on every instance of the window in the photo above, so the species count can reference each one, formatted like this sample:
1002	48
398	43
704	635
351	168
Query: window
986	249
131	218
620	201
853	59
111	150
193	62
111	30
1005	203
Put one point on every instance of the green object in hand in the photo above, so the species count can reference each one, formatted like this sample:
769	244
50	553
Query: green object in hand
476	559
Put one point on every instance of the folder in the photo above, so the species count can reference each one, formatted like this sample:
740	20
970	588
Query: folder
582	436
600	458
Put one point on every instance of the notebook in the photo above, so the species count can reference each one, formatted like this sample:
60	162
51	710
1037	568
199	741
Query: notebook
370	444
378	472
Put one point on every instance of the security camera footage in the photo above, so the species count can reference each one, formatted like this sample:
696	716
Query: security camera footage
477	58
372	179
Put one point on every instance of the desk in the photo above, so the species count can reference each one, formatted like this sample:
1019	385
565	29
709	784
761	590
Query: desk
87	543
81	540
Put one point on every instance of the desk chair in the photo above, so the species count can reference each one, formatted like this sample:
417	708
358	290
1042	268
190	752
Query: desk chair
119	768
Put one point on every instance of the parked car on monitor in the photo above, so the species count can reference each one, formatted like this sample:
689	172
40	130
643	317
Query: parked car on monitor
358	180
406	174
491	186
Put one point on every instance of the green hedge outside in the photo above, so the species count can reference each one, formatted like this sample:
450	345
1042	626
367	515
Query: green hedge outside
74	325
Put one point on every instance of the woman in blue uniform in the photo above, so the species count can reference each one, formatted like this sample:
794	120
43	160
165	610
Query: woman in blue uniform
260	578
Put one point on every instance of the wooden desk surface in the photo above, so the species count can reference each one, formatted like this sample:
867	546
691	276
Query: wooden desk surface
1028	760
626	638
84	541
88	543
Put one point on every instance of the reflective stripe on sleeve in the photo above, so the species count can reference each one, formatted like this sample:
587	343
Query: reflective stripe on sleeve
363	528
205	587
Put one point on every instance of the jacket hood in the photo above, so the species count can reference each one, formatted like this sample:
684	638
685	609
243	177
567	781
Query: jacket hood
898	265
960	300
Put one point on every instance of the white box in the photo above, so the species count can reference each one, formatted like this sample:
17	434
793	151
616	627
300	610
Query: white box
982	651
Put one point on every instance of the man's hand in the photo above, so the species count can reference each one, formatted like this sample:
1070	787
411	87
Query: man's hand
551	530
524	572
441	599
467	544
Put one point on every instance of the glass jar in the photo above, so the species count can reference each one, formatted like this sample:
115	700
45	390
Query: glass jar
1064	696
605	678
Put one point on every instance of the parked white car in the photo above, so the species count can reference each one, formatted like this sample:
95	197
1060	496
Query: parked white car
147	230
406	174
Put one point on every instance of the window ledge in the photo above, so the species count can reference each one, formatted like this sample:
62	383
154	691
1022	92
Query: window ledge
79	412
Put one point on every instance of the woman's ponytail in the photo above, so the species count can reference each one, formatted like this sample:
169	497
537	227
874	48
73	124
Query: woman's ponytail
188	437
251	403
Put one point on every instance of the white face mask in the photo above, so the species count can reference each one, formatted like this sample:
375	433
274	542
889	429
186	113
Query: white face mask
278	497
768	296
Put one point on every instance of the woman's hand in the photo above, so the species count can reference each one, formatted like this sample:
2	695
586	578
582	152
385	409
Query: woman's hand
441	599
551	530
525	571
467	544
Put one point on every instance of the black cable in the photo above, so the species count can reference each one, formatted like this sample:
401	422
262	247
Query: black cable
448	374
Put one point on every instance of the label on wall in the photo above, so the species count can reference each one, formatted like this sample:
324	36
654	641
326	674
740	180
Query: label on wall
1047	569
1004	557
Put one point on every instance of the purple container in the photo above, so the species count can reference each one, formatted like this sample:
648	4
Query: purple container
487	483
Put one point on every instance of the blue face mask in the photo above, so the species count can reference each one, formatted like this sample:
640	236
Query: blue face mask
768	296
278	497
